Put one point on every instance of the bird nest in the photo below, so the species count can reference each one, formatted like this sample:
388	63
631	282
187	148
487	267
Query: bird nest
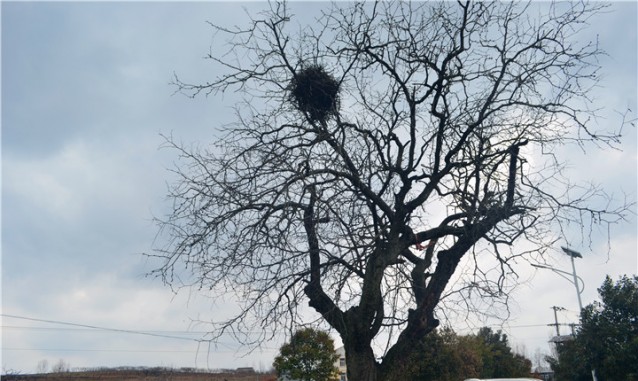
315	92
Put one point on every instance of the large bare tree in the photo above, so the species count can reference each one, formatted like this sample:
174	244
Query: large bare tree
376	151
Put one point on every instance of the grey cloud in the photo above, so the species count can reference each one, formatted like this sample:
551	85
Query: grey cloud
85	95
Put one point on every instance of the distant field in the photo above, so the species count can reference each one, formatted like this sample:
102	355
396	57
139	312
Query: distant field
142	375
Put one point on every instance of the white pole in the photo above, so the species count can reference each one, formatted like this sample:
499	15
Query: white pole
573	254
580	302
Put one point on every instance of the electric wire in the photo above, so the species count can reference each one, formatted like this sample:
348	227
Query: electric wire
129	331
78	327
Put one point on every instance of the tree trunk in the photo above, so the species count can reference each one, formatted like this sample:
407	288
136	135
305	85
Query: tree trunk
361	363
362	366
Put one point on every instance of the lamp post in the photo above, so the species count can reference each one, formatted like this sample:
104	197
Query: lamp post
574	254
575	278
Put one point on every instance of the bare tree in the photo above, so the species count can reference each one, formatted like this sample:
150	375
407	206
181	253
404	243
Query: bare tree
374	151
60	367
42	367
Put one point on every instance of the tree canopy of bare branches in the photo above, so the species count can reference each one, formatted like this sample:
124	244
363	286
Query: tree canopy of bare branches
374	151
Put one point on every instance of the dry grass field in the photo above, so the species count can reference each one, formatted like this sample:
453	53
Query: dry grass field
143	375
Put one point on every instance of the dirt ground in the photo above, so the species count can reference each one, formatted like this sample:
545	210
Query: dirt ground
142	375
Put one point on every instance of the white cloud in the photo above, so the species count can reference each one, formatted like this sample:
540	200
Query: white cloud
61	185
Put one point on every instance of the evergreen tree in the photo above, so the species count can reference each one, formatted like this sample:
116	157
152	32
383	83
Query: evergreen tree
446	356
607	340
309	356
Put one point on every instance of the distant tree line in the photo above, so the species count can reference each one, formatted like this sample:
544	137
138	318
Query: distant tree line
59	367
62	366
134	373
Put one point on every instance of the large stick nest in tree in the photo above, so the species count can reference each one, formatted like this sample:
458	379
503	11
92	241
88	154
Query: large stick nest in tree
315	92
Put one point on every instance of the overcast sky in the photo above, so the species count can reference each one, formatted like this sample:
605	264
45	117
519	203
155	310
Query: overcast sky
85	97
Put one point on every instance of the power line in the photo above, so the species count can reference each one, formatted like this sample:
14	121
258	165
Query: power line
70	329
522	326
146	333
87	327
501	326
96	350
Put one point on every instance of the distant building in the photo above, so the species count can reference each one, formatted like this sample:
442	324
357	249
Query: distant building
544	373
561	339
341	364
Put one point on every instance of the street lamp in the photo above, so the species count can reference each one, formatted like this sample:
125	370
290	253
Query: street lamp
575	278
579	288
574	254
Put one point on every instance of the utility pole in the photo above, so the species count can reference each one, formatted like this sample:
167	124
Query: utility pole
556	319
